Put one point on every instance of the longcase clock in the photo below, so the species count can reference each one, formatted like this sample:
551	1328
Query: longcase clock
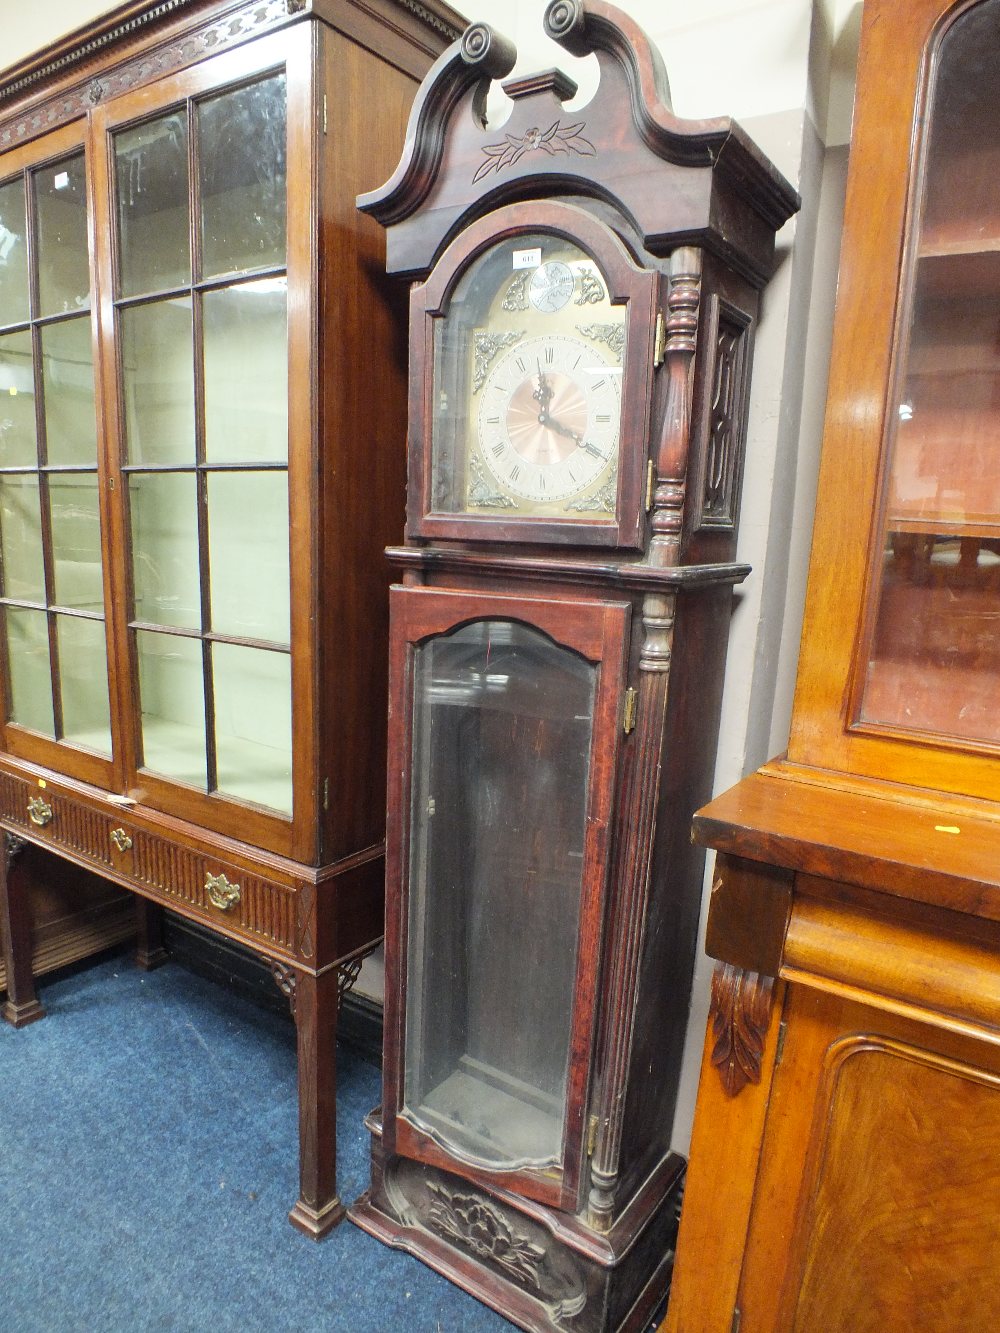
581	327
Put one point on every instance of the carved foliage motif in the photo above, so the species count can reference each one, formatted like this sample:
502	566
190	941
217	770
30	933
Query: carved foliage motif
558	138
516	295
740	1014
481	493
612	335
601	502
591	290
487	345
481	1228
725	444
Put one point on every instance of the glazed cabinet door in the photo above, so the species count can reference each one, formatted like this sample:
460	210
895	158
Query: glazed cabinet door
875	1204
52	507
504	723
205	311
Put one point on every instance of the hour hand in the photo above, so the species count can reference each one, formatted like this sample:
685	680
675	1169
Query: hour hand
560	429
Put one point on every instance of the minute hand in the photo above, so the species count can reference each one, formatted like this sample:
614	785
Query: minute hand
552	424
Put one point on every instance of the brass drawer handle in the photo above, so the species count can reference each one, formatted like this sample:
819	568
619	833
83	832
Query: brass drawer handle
39	811
221	893
121	839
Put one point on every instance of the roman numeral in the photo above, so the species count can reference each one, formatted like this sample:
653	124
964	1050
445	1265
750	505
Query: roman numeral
604	418
591	449
498	449
550	353
521	365
515	472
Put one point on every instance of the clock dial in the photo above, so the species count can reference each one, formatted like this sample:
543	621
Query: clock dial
529	363
548	417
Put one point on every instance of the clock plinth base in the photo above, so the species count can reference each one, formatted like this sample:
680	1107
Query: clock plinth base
542	1269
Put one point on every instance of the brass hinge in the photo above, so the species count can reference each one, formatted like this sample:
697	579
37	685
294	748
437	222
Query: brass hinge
631	704
592	1125
734	1327
780	1049
324	113
650	484
326	793
660	339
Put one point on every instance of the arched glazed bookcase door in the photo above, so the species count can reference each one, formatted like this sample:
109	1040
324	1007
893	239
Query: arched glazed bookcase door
934	637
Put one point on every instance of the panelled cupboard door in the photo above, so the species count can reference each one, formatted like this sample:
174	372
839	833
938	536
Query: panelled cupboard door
54	586
504	724
875	1203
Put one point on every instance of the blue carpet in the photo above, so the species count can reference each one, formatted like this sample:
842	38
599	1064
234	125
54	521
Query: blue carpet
148	1159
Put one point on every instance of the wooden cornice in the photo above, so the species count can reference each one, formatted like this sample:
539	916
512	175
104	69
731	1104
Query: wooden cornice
455	166
85	43
76	50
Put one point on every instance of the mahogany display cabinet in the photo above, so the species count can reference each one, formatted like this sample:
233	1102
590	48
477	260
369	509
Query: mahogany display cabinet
844	1164
202	398
581	329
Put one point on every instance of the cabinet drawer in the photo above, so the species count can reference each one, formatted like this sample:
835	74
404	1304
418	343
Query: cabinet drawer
192	881
219	892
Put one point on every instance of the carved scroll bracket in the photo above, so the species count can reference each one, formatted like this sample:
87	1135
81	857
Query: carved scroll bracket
740	1015
13	847
348	973
284	979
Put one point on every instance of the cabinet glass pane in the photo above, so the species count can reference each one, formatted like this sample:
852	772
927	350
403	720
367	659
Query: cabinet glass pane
246	373
28	665
83	679
248	554
63	263
934	663
172	699
13	254
165	568
68	380
241	155
21	538
76	541
253	724
18	441
151	164
158	382
502	726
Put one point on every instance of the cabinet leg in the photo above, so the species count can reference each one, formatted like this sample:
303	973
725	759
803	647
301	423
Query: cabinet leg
150	953
22	1006
318	1209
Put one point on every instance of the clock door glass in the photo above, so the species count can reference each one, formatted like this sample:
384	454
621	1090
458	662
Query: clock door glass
528	363
501	749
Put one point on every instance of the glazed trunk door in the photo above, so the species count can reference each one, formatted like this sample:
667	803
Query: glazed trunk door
504	733
207	336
